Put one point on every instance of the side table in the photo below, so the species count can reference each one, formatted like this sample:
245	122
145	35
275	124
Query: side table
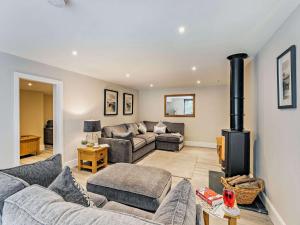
215	211
92	158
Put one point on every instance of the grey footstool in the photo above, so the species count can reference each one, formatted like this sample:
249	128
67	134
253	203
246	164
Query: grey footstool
134	185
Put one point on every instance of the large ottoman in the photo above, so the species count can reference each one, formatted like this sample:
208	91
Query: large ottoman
134	185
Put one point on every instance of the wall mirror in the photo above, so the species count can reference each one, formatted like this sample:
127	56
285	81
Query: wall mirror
180	105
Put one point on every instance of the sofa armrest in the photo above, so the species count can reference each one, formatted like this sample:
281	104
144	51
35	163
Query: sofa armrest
120	150
99	200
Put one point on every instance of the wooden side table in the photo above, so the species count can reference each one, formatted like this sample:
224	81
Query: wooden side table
92	158
210	211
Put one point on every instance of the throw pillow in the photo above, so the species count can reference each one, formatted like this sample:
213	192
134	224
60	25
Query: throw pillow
66	186
41	173
160	130
179	206
160	124
142	128
133	127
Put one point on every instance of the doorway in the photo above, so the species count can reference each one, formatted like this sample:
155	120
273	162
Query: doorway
38	117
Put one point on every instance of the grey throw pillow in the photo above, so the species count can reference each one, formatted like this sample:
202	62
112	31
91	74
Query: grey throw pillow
41	173
66	186
142	128
133	127
125	136
179	207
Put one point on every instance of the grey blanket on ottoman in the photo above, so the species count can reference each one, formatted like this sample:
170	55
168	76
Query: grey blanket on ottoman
139	186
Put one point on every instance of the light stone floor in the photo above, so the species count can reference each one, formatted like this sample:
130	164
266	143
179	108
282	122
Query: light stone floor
194	164
191	162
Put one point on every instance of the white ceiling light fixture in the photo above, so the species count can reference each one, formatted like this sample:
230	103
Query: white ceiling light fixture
194	68
29	84
127	75
198	81
58	3
74	53
151	85
181	30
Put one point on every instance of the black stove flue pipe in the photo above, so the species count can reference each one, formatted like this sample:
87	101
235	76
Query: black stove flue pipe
237	91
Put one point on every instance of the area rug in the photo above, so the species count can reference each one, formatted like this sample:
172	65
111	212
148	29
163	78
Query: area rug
178	164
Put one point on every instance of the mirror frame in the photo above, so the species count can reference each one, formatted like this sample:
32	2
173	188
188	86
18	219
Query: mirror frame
178	95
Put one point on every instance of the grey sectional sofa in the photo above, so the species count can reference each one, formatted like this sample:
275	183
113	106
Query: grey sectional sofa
26	203
141	144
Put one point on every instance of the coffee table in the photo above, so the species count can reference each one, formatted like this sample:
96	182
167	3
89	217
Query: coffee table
217	211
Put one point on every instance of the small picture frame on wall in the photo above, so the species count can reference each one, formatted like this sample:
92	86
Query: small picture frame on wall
110	102
286	79
127	104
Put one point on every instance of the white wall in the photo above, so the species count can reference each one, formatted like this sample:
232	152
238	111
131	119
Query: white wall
277	152
212	111
83	99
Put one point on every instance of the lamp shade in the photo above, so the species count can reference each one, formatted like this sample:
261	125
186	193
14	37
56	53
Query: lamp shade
92	126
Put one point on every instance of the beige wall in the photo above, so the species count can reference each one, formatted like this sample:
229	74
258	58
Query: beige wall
277	152
83	98
35	109
32	113
212	111
48	108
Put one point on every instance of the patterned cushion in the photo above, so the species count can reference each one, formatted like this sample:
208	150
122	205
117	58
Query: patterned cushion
138	143
179	207
9	185
142	128
42	173
160	129
133	127
66	186
150	125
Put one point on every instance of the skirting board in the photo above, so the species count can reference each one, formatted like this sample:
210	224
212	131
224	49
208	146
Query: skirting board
273	213
200	144
72	163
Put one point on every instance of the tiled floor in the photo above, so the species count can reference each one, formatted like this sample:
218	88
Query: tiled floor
193	163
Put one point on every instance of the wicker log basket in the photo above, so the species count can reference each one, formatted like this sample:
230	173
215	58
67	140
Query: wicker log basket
244	196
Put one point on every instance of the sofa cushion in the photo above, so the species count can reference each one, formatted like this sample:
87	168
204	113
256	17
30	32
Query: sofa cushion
9	185
25	208
179	207
133	127
118	207
150	125
42	173
125	136
66	186
130	184
107	131
175	127
138	143
173	138
149	137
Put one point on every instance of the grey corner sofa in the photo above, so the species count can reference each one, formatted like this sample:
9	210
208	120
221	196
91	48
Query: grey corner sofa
29	202
129	151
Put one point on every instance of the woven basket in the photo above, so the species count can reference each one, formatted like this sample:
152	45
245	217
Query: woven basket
244	196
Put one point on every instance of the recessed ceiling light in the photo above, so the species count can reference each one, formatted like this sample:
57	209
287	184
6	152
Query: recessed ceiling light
127	75
29	84
74	53
194	68
198	81
181	30
151	85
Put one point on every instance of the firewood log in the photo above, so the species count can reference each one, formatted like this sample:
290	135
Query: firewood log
242	180
232	178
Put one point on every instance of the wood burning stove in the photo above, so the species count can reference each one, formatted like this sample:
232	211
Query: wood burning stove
237	140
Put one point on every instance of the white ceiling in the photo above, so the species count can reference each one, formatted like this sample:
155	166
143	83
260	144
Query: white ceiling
36	86
115	37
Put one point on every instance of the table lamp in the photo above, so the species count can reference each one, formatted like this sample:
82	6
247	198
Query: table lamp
91	127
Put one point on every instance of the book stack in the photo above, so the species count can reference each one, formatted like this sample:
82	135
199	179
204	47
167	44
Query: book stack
209	196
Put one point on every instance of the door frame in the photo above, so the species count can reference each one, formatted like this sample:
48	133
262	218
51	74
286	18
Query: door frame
57	112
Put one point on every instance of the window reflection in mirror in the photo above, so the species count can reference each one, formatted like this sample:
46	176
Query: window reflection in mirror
180	105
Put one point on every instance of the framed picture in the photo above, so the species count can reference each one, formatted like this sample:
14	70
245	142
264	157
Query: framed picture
110	102
127	104
286	79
